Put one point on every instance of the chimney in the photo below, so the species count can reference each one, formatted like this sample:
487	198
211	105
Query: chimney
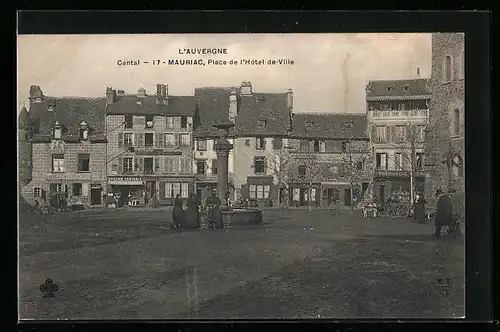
120	93
159	95
233	105
164	93
110	95
418	72
36	94
289	99
246	88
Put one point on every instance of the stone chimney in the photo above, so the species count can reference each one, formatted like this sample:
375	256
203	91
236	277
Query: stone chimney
36	94
120	93
110	95
164	93
289	99
159	93
418	73
246	88
233	105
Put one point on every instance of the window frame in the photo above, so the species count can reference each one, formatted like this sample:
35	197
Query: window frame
146	121
126	169
60	169
260	146
129	121
447	68
75	191
199	146
258	160
78	165
199	162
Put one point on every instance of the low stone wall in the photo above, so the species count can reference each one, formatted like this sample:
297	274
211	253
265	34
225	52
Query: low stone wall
242	216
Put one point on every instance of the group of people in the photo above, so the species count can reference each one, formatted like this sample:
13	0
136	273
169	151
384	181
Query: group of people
190	218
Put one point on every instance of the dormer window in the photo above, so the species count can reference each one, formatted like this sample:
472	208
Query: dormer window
309	125
149	121
139	102
84	130
262	124
50	108
57	131
406	88
389	88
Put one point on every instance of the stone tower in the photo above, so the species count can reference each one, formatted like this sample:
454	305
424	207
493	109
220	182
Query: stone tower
24	130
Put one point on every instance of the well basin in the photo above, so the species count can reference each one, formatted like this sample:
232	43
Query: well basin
242	216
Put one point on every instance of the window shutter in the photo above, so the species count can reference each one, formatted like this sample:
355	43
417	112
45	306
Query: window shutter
140	136
140	164
176	165
136	140
157	166
120	165
265	165
277	142
176	140
44	194
374	133
85	189
120	140
160	140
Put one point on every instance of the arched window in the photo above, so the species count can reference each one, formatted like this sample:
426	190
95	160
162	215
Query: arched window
457	166
84	130
447	68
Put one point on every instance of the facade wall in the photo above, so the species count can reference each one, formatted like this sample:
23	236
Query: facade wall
245	152
139	178
447	96
43	176
24	157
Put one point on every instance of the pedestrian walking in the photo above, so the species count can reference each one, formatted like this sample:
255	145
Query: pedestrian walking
215	213
456	211
443	212
419	210
192	216
178	212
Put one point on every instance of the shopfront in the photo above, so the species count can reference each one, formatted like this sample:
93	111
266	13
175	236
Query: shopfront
126	189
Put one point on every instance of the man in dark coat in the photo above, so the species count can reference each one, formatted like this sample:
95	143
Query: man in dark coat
420	209
178	213
214	203
443	212
192	219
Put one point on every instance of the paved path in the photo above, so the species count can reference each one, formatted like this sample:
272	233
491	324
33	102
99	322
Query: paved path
129	264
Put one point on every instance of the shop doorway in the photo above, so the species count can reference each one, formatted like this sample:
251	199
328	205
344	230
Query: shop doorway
151	188
95	195
381	193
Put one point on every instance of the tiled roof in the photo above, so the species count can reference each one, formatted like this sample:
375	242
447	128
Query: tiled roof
24	120
269	109
213	105
396	88
69	112
177	105
213	108
329	125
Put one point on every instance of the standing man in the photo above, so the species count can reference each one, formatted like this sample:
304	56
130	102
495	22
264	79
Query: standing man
104	198
443	212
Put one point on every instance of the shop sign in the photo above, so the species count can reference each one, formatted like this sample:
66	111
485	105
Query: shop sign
95	186
125	180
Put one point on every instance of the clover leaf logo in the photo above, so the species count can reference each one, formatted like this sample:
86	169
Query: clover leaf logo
49	288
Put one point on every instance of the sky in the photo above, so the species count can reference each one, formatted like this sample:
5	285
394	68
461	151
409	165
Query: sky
329	73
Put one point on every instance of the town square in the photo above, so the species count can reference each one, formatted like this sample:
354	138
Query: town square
332	188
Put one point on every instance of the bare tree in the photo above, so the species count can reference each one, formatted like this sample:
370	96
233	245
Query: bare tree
355	159
405	140
279	163
354	164
308	168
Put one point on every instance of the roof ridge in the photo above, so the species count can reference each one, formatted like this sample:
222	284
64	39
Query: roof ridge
329	113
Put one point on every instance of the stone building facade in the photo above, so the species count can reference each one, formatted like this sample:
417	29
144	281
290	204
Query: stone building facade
261	121
444	145
150	143
68	149
331	159
24	132
398	113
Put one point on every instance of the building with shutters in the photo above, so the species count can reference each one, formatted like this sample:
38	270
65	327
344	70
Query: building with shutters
261	121
332	158
149	149
68	149
444	145
398	112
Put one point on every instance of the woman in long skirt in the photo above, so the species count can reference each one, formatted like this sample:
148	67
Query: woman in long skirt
178	212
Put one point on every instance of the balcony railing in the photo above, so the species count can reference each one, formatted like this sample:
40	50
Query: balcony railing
398	173
400	114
